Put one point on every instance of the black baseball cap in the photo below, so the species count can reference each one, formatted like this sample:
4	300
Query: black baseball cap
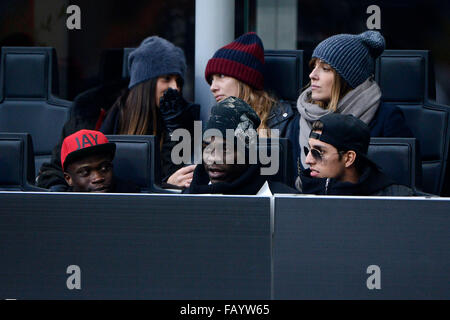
345	132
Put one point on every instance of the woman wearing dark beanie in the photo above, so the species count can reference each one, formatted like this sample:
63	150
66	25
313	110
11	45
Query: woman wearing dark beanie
153	104
342	81
237	70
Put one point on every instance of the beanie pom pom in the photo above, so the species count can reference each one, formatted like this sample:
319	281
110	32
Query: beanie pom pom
374	42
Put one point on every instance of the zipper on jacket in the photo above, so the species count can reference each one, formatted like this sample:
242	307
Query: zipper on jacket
326	186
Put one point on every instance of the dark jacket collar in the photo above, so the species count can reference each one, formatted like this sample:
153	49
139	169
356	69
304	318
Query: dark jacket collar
279	113
88	103
371	181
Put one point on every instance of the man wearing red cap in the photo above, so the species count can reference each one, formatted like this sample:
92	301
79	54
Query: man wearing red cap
86	158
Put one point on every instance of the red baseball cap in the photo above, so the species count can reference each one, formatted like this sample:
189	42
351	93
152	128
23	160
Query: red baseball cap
83	143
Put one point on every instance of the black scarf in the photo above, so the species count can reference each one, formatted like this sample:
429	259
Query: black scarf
249	183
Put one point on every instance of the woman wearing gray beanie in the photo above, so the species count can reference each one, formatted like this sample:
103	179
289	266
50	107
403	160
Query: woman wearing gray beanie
342	81
153	103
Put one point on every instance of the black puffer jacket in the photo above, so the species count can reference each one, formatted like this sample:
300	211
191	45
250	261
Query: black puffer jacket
88	111
371	183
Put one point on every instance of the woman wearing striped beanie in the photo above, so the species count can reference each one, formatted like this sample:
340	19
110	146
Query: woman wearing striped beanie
342	81
237	70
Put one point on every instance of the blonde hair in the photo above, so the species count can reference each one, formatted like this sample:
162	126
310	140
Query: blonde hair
259	100
338	90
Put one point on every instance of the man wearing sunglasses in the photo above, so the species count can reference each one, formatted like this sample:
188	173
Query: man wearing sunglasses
338	162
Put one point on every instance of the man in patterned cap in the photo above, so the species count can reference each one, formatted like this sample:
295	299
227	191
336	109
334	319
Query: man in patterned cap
230	140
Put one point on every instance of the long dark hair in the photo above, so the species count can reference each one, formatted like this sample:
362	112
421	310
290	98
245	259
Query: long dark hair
138	110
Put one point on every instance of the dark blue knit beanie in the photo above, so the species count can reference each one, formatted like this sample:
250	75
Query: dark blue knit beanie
352	56
155	57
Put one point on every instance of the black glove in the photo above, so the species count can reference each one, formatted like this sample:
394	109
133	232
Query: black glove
174	111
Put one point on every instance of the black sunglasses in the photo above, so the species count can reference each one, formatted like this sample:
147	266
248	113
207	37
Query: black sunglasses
317	155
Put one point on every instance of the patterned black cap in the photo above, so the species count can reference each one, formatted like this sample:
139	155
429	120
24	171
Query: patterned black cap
235	114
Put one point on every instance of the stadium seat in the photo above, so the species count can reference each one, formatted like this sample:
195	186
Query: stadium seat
137	160
285	73
399	158
125	71
17	162
28	83
406	80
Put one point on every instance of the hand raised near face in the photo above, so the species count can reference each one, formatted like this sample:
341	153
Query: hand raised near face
172	107
182	177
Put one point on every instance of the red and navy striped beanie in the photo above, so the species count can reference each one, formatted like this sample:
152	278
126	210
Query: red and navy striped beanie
242	59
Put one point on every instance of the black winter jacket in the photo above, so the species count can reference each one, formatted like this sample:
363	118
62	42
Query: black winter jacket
286	119
371	183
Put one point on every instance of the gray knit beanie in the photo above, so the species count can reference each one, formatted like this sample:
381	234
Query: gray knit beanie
352	56
155	57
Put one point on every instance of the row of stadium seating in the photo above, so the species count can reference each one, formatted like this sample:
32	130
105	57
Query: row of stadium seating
397	157
29	103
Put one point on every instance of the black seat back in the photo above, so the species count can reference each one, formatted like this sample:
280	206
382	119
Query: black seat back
137	160
110	67
284	73
125	70
398	158
406	75
407	81
17	162
28	82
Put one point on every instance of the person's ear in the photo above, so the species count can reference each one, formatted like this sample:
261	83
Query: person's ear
68	179
349	158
